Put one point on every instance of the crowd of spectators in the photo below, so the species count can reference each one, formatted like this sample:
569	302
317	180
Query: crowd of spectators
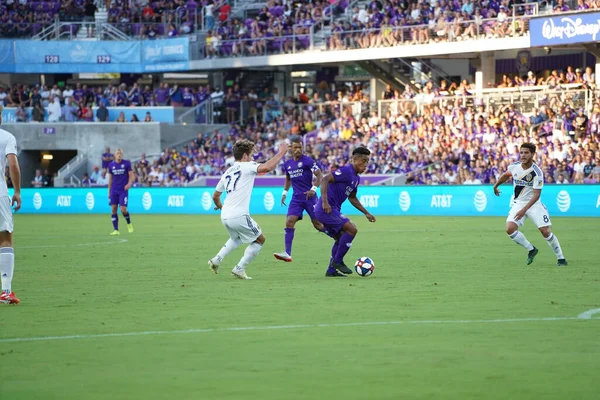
446	141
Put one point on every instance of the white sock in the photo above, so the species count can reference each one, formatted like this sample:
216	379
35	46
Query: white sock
227	248
250	254
555	246
7	267
520	239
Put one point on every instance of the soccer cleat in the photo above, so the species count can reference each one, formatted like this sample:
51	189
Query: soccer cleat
130	228
334	274
283	256
341	267
213	267
115	233
239	273
532	253
562	263
9	298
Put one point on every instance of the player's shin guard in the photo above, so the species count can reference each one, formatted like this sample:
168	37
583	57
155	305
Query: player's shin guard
7	267
289	238
250	254
344	245
127	218
115	221
555	246
521	240
227	248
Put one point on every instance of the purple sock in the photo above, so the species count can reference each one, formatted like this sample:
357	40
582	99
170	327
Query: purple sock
289	237
334	250
127	218
115	221
344	246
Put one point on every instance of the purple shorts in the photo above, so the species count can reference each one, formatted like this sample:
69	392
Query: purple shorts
118	198
334	221
298	206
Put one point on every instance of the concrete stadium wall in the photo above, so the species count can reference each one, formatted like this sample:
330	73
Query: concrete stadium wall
173	135
89	138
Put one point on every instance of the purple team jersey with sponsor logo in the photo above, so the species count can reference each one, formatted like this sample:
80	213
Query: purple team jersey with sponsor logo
301	174
120	175
345	182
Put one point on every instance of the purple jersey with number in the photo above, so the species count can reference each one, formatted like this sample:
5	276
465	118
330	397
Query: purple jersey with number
120	175
346	181
301	175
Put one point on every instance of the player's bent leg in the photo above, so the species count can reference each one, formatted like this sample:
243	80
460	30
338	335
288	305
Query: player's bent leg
250	254
228	247
331	271
127	218
512	230
7	268
349	233
290	223
552	241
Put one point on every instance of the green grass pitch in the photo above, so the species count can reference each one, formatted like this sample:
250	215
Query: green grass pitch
442	291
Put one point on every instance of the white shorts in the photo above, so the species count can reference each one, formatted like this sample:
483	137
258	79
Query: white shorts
6	216
537	213
243	228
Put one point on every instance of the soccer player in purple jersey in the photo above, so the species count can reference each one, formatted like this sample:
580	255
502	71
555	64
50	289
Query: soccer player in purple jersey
299	171
120	179
336	188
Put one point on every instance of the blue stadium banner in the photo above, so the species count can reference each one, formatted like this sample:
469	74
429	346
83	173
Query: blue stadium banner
565	29
7	56
158	114
76	56
166	54
61	56
561	200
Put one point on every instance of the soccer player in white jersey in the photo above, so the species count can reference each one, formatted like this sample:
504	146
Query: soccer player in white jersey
8	147
528	181
238	182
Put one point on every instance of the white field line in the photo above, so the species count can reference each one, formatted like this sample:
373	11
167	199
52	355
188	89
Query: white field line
48	246
583	316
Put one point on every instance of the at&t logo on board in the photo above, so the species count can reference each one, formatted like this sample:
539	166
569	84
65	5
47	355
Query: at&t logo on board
147	201
90	201
563	201
37	200
404	201
206	201
269	201
480	201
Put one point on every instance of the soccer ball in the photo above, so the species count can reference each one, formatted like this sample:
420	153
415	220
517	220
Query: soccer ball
364	266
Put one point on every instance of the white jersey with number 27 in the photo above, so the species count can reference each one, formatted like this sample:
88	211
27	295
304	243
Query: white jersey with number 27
237	182
525	180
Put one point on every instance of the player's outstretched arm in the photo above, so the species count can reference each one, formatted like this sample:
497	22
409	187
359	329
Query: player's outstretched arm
271	164
313	191
286	187
131	179
356	203
15	177
327	179
505	176
217	200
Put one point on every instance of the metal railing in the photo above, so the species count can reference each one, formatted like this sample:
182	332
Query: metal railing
575	98
202	113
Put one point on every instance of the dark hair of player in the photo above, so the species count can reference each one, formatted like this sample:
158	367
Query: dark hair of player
529	146
296	140
361	151
242	147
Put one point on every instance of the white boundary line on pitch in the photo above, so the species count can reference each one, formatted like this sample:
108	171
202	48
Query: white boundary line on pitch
587	315
48	246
